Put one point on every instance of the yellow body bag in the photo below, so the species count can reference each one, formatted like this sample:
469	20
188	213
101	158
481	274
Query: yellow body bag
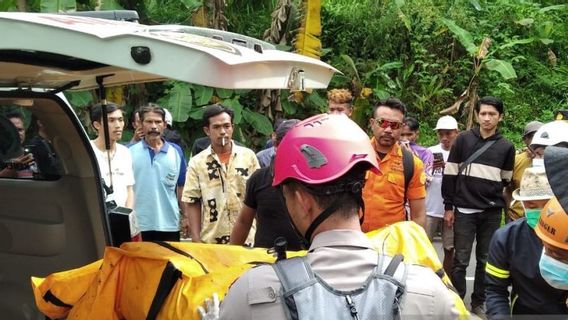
169	280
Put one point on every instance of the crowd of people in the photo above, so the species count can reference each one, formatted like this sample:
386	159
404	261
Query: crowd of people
322	182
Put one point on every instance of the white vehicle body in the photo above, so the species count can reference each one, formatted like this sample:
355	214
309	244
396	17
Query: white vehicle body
51	225
173	55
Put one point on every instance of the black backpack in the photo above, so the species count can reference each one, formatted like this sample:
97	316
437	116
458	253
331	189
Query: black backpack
408	167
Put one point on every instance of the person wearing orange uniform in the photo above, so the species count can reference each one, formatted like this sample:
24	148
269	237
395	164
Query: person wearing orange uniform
384	193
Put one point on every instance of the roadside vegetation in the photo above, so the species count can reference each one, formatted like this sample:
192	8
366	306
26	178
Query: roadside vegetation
438	57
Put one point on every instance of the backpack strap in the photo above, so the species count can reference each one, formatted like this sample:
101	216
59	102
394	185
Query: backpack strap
390	271
408	167
393	265
441	273
294	274
475	155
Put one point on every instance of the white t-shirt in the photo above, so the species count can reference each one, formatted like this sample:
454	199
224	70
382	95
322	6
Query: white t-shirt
122	174
434	200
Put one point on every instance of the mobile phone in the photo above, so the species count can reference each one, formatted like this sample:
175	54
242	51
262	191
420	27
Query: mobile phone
438	156
28	149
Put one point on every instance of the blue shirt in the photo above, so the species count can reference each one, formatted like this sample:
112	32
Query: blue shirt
157	175
265	156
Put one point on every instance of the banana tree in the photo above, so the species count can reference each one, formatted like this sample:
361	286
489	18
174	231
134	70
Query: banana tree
187	101
279	34
483	58
307	41
207	13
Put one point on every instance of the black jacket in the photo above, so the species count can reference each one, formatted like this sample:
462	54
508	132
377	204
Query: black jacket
514	254
479	185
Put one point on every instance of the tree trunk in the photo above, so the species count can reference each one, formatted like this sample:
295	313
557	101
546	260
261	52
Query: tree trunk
278	33
219	18
22	5
472	101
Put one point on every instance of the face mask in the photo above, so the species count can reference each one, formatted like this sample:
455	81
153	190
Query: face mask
532	216
538	162
554	272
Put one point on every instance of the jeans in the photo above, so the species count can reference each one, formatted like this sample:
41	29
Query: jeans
478	226
173	236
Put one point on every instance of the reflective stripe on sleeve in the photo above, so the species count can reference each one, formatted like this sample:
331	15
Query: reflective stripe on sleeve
496	272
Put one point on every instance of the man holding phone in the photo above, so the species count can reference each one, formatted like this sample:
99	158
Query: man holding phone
447	131
408	139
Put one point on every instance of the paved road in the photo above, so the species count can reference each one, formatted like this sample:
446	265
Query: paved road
470	273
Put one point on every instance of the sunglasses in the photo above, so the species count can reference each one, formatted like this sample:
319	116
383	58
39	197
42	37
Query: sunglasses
383	123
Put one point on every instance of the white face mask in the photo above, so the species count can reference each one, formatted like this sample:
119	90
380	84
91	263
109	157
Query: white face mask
554	272
538	162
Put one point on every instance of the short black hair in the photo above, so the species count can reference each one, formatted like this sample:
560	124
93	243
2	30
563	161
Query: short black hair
131	119
277	123
151	107
96	111
412	123
392	103
491	101
213	110
283	129
350	198
14	114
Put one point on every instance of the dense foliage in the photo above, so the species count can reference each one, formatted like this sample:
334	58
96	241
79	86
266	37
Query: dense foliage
407	49
425	52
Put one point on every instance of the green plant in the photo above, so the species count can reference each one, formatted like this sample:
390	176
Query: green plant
399	48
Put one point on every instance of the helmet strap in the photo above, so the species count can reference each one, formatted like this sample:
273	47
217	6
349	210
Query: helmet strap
305	243
354	187
319	219
362	205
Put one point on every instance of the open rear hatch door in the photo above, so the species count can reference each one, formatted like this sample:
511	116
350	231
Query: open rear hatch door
70	48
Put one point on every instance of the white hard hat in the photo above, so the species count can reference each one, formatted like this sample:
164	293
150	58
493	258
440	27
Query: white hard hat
169	119
447	123
551	134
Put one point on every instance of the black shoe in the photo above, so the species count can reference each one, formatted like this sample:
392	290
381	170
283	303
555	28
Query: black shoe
479	310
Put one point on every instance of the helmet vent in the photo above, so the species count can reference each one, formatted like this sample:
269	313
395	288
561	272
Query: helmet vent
318	122
544	135
313	156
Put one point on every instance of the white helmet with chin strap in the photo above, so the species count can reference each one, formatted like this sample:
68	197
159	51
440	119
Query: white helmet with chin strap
550	134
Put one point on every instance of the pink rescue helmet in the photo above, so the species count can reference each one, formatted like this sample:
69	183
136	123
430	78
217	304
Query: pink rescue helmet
321	149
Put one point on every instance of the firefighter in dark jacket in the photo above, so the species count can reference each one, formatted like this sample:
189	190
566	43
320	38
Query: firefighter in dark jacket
514	254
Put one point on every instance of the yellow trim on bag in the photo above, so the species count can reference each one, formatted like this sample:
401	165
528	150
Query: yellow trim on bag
496	272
